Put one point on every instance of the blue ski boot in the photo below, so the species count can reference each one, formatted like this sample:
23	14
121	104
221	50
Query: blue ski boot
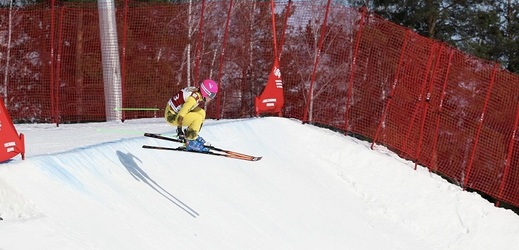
196	145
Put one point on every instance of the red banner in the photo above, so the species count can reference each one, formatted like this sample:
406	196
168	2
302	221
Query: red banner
272	99
10	143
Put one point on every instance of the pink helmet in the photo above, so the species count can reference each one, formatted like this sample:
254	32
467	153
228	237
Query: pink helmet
209	88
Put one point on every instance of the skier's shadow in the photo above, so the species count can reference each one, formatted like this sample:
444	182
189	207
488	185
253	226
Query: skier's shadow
128	162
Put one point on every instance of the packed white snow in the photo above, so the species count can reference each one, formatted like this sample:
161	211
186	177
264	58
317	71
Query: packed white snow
93	186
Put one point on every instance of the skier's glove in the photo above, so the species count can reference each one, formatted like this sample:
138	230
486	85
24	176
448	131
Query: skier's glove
180	134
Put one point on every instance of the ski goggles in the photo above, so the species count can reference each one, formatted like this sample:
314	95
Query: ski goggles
211	95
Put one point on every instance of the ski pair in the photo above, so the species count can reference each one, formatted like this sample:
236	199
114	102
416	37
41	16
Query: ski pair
222	152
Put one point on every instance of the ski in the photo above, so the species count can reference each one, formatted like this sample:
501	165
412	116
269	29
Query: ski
226	153
183	149
157	136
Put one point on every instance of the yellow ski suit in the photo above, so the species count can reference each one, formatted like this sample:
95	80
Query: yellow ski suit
184	106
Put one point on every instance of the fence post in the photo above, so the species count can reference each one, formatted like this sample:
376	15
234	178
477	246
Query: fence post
509	157
358	37
55	88
123	57
426	103
51	62
308	117
393	87
440	109
224	43
420	103
199	43
481	119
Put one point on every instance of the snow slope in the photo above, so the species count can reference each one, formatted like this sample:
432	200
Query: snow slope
92	186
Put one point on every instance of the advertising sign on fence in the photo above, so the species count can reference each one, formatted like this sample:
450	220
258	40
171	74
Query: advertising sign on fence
272	99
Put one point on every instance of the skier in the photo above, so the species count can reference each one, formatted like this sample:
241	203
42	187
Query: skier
182	110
